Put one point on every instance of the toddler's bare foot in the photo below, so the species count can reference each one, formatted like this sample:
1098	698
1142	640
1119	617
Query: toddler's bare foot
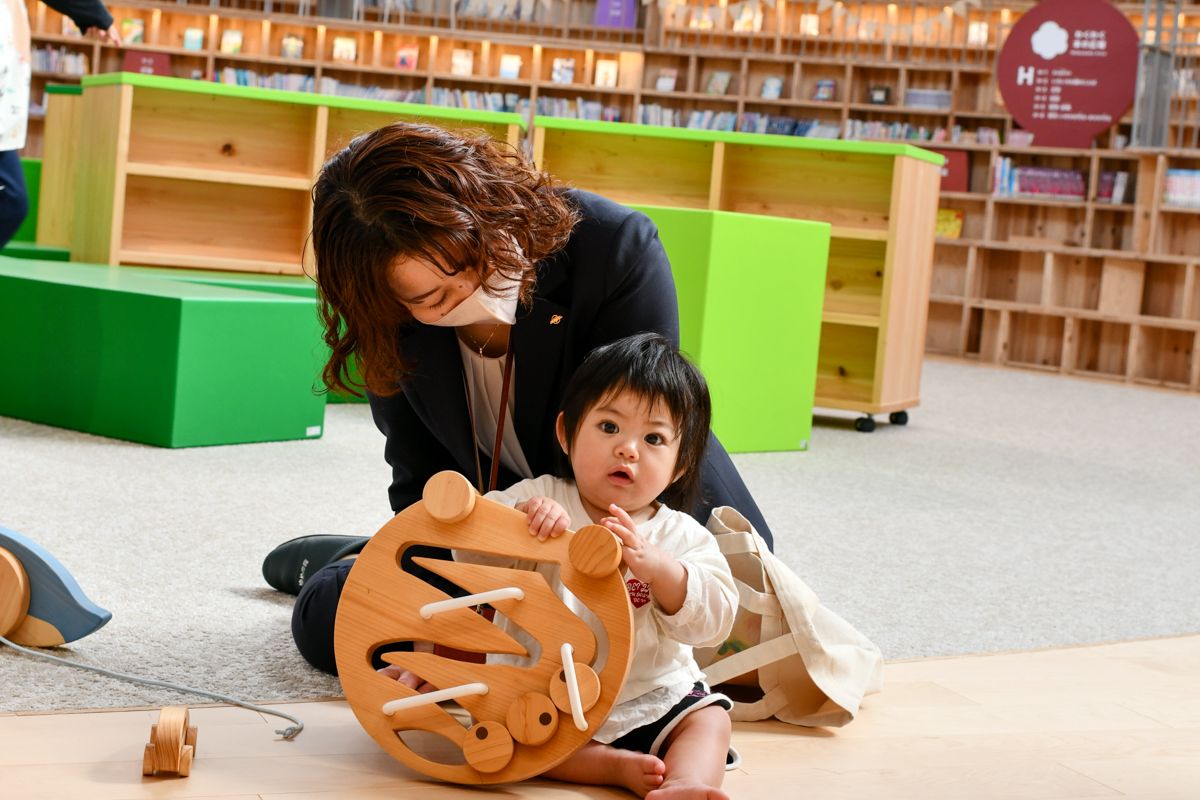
637	772
682	789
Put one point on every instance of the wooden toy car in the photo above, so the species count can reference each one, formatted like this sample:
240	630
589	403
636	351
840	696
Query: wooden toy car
172	743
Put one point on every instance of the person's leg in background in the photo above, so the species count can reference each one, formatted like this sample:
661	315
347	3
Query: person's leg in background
14	201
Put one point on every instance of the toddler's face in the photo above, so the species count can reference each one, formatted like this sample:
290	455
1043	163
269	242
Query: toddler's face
624	453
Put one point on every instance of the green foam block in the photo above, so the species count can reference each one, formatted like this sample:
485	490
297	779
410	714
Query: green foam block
157	359
751	290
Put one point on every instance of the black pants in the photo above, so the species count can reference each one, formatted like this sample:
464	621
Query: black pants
14	200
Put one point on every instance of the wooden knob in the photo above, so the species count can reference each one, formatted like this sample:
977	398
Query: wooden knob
488	747
594	551
14	592
532	718
589	688
448	497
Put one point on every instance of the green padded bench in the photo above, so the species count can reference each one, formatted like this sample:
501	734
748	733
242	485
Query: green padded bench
751	291
160	357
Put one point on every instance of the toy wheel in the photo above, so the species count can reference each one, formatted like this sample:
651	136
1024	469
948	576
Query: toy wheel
185	761
191	738
14	593
381	604
898	417
864	424
448	497
148	760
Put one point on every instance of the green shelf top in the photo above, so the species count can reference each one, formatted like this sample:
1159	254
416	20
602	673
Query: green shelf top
764	139
303	98
64	88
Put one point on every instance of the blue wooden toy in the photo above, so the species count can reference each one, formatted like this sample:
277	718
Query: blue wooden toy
41	605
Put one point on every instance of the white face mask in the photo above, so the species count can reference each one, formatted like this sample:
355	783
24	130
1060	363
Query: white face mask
483	307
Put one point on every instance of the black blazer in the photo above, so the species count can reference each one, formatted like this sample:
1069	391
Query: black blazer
611	280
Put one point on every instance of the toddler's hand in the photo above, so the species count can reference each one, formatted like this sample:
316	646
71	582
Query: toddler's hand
545	516
646	561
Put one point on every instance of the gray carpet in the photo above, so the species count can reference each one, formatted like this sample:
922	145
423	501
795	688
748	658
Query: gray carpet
1017	510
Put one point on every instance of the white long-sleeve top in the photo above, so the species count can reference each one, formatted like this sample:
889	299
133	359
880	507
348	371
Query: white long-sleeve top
662	671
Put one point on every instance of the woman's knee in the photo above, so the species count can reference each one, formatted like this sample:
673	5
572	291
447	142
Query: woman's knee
314	615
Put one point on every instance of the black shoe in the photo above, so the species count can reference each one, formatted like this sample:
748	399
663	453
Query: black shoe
287	566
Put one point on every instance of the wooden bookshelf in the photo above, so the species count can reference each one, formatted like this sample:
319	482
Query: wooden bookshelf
878	198
167	159
915	51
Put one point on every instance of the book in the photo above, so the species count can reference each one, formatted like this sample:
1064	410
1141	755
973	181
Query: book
510	66
665	82
146	63
949	223
345	49
291	46
772	87
193	39
810	25
1020	138
462	62
69	28
563	70
606	72
718	82
879	95
407	57
133	30
825	89
231	41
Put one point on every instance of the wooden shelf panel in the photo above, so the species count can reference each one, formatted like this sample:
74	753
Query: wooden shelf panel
297	182
193	260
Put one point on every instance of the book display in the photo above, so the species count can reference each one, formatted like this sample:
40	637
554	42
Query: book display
917	72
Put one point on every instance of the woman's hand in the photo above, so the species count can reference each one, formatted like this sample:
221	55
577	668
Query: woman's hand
547	519
410	679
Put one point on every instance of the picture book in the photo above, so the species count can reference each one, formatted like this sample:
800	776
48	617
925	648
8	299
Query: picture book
825	89
133	30
462	62
291	46
718	82
772	87
345	49
606	72
510	66
563	70
193	39
407	56
666	79
69	28
231	41
949	223
146	63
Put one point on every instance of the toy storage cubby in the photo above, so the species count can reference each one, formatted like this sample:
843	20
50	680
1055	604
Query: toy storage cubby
167	159
877	198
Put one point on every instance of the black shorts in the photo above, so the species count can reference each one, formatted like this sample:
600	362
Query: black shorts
650	738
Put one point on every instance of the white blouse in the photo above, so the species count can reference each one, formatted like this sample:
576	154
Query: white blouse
485	383
14	74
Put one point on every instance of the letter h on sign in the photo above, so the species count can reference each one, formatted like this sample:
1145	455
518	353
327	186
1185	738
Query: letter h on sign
1024	76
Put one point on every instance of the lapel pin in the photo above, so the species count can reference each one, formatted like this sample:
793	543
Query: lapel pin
557	318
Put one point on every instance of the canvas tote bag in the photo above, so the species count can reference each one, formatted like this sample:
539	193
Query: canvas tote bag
787	656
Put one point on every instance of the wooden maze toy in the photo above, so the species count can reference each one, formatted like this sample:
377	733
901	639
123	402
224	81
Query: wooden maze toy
523	720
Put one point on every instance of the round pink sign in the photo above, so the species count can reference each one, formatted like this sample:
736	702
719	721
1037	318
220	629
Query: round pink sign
1068	70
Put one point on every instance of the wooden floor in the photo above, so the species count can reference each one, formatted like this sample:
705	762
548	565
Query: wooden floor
1111	721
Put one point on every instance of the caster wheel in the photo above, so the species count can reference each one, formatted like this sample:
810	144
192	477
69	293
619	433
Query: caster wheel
898	417
864	424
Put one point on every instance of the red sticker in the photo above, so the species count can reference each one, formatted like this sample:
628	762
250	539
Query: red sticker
639	593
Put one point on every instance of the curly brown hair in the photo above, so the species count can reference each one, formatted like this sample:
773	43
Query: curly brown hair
458	200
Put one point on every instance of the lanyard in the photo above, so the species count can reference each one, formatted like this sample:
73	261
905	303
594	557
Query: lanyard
505	382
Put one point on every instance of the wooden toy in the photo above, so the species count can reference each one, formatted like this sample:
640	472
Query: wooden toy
523	720
172	743
41	605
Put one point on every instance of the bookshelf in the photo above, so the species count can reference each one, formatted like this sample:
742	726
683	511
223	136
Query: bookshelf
870	69
166	159
879	199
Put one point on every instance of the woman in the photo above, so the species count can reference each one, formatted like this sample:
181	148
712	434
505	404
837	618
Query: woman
467	287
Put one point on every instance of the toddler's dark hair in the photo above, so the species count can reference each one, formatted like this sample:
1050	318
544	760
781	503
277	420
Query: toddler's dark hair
652	368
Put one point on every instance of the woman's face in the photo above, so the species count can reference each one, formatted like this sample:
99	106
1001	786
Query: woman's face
428	293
